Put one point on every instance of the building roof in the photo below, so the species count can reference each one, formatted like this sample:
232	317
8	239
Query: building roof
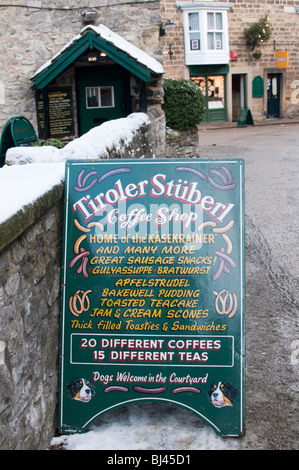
102	39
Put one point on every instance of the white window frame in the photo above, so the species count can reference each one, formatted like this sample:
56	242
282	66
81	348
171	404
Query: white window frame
98	88
204	55
215	32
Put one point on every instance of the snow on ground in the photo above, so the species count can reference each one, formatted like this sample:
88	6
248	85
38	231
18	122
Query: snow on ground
148	426
32	171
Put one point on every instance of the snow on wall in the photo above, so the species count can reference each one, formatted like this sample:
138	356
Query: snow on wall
32	171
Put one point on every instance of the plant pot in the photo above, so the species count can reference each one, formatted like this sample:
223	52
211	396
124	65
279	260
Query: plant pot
257	55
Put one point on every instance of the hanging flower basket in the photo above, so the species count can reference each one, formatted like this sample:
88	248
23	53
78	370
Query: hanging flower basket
257	54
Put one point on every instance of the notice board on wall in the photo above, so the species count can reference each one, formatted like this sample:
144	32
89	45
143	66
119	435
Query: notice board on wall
61	112
153	289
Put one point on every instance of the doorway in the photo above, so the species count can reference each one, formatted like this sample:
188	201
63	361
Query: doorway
238	94
102	94
213	89
273	96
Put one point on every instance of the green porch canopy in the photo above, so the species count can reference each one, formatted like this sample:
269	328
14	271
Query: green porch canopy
102	39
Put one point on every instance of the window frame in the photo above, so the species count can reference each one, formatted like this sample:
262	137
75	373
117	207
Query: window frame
204	55
99	88
215	31
194	32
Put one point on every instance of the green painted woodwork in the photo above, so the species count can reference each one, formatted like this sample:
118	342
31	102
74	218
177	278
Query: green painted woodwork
114	77
153	289
88	42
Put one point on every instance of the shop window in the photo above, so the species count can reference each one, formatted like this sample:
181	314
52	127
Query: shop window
206	35
212	89
99	97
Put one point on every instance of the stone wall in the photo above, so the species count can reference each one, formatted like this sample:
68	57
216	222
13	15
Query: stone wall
30	263
29	323
182	144
31	35
284	25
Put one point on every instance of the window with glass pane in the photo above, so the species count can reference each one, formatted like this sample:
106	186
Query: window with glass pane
92	99
194	33
215	90
99	97
201	83
215	30
210	21
212	88
107	97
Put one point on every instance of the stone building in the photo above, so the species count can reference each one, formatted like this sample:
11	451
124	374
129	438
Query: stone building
68	68
205	41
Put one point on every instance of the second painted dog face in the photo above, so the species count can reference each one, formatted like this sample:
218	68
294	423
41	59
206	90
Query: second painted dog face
222	394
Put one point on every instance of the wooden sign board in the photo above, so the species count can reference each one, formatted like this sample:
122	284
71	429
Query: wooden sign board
60	112
257	87
245	118
153	289
282	59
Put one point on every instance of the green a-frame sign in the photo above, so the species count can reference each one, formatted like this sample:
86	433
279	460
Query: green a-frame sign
153	298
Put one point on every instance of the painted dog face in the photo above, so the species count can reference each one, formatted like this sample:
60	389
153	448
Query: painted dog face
81	390
222	394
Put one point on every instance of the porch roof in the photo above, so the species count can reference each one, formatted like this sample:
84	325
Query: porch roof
102	39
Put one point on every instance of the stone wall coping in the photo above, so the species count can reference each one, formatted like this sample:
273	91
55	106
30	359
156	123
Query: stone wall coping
15	225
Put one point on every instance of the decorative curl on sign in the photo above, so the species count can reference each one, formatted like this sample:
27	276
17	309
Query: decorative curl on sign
83	258
224	258
224	261
84	184
225	176
83	301
222	306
